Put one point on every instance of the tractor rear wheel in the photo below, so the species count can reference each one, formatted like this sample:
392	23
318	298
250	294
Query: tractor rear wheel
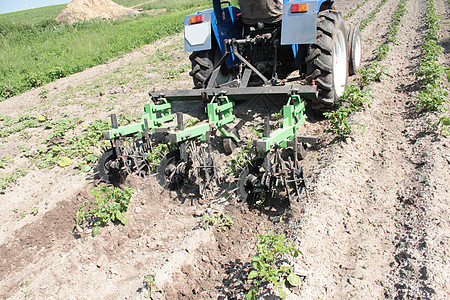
354	50
327	60
203	63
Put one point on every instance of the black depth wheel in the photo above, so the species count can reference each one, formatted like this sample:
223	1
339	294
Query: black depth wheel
167	175
248	180
107	172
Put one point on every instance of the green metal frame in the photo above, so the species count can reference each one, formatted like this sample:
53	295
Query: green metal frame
219	111
293	118
155	115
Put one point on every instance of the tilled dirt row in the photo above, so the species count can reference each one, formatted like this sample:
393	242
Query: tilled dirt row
373	227
375	224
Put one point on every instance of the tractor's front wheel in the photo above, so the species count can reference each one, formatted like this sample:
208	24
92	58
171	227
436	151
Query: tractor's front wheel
327	60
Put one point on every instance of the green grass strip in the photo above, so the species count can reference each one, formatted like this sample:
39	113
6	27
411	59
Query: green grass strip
32	59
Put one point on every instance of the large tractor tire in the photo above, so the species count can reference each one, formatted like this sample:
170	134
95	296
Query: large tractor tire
203	65
327	60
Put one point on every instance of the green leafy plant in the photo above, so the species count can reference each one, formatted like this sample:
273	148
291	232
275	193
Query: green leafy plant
372	72
151	286
432	99
111	203
434	94
222	221
4	162
443	125
43	93
7	180
351	101
381	51
158	152
371	15
352	12
272	264
241	159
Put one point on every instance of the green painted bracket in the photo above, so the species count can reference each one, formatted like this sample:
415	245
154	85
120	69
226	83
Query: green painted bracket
219	111
293	118
155	115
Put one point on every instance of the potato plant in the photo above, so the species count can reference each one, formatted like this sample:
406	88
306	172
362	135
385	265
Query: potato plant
110	205
273	264
434	94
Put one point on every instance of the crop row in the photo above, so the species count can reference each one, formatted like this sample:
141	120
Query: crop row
434	94
352	12
372	15
382	49
355	97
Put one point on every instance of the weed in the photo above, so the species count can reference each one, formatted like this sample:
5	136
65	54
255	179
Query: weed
26	289
154	157
111	203
151	286
10	125
43	93
4	162
271	263
7	180
53	50
443	125
241	159
190	122
217	218
60	150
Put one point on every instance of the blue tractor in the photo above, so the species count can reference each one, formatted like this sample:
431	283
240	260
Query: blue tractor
264	41
240	54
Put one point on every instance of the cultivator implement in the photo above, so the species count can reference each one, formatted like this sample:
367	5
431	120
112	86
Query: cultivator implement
191	160
236	56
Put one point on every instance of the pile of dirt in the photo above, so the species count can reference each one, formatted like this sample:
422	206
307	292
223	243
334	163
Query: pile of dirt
82	10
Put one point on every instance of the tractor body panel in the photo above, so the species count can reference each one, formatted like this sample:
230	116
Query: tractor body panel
299	27
198	38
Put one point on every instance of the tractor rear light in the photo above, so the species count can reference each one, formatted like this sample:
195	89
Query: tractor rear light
299	8
196	19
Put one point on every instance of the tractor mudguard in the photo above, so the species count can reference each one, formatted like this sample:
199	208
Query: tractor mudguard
197	31
200	27
299	22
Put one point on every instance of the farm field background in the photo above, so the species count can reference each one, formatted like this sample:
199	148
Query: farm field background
35	49
375	223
